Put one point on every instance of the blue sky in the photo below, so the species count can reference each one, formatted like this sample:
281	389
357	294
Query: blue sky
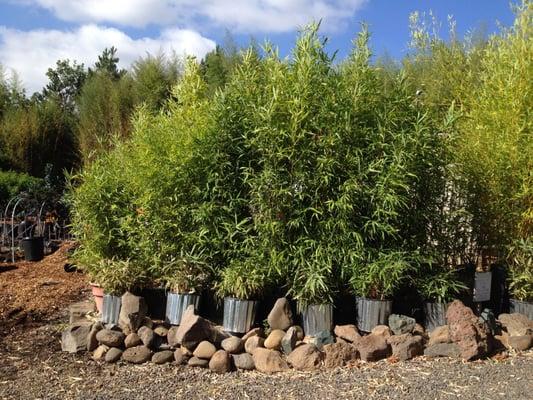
35	33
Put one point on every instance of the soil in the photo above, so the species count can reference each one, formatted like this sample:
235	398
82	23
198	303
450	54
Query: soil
33	313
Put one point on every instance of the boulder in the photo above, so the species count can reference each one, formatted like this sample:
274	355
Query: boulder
516	324
406	346
443	350
110	338
132	340
161	330
163	357
198	362
253	343
243	361
220	362
280	317
74	338
273	341
137	354
147	336
441	334
470	334
179	357
232	345
113	355
100	352
306	357
400	324
268	361
373	347
350	333
78	312
382	330
252	333
92	342
339	354
133	311
521	343
321	339
288	342
204	350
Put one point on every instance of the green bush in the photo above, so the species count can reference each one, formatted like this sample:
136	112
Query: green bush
14	183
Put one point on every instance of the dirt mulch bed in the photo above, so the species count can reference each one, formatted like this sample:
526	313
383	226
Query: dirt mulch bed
32	292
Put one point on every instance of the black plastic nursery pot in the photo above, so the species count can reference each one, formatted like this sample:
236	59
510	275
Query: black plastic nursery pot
522	307
317	318
434	315
156	302
177	303
239	315
33	248
371	312
482	286
111	309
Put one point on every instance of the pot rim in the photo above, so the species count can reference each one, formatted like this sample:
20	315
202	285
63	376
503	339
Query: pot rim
374	300
237	299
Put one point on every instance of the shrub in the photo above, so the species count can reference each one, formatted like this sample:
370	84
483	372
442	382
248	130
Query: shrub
14	183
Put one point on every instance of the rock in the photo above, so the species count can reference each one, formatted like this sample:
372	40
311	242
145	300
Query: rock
113	355
147	336
467	331
204	350
198	362
521	343
193	329
110	338
162	345
516	324
273	341
92	342
163	357
232	345
299	331
161	331
441	334
322	338
280	317
137	354
74	338
132	340
220	362
339	354
186	352
382	330
148	323
78	312
306	357
268	361
400	324
350	333
179	357
252	333
243	361
100	352
443	350
406	346
373	347
501	342
253	343
288	342
133	311
420	331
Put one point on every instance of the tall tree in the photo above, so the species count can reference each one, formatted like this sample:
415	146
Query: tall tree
108	63
65	83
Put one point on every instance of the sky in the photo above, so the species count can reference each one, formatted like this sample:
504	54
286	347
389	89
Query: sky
36	33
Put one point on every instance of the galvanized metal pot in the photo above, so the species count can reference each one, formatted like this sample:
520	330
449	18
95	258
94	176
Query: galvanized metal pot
371	313
239	315
522	307
177	303
435	315
111	309
317	318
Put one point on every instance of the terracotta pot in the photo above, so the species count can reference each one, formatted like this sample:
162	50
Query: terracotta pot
98	293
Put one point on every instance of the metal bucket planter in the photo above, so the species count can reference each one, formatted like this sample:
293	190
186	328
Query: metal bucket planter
111	309
239	315
371	313
522	307
435	315
177	303
482	286
33	248
317	318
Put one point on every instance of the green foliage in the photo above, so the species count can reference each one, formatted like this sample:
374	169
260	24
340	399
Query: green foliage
437	284
108	63
13	183
65	83
520	261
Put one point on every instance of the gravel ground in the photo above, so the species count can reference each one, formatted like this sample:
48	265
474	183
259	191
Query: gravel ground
32	367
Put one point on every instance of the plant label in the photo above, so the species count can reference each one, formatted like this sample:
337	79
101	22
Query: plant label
482	285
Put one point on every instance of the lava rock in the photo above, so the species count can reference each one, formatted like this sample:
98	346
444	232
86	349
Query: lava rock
306	357
74	338
443	350
288	342
401	324
232	345
406	346
113	355
373	347
273	341
339	354
137	354
220	362
441	334
133	311
243	361
280	317
110	338
204	350
382	330
268	361
253	343
350	333
147	336
163	357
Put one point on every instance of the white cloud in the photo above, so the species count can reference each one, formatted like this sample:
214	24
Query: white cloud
31	53
240	15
